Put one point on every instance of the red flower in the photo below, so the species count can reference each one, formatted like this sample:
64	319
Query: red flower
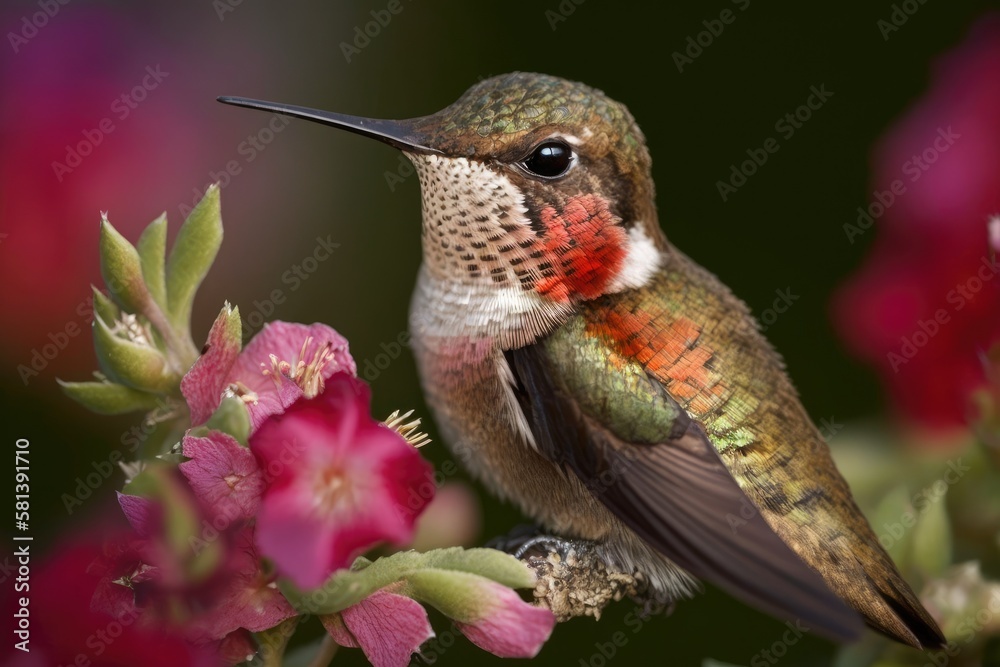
927	302
340	483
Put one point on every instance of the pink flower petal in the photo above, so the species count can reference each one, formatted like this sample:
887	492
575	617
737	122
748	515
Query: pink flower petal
388	627
272	402
285	342
143	514
236	647
248	600
340	483
511	628
224	475
204	383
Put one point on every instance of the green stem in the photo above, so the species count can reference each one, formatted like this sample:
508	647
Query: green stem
180	348
327	649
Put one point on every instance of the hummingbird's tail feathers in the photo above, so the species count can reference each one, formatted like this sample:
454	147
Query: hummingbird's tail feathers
892	609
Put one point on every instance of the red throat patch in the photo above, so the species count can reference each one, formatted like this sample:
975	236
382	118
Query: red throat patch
586	247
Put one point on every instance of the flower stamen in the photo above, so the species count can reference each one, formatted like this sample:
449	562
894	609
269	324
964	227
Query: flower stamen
409	429
241	391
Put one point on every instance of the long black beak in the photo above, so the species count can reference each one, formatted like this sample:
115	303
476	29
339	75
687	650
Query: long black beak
399	133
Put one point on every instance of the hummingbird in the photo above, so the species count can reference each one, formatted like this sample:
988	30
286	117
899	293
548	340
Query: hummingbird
588	371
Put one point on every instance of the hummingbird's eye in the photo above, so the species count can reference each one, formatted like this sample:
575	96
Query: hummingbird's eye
550	159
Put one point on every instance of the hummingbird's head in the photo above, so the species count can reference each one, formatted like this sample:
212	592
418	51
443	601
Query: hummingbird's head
537	183
532	185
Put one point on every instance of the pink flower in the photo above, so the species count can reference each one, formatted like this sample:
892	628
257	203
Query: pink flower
281	363
453	518
224	476
143	576
69	621
927	302
504	624
389	628
341	483
249	599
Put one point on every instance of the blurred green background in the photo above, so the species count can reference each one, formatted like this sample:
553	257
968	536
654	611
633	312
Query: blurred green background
782	230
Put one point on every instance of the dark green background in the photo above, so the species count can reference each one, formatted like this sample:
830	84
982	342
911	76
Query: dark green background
783	229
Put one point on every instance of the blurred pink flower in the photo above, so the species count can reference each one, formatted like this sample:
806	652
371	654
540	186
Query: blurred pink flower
134	580
74	141
67	629
926	303
505	625
281	363
249	599
389	628
339	483
452	519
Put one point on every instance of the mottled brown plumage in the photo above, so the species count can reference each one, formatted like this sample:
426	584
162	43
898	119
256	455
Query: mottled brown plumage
618	393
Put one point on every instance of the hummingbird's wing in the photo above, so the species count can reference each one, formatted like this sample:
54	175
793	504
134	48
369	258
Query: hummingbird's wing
718	465
656	470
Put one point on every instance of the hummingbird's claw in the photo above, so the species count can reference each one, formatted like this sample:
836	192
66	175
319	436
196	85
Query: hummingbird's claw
573	578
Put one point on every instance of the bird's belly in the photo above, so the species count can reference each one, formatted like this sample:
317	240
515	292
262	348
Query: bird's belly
472	410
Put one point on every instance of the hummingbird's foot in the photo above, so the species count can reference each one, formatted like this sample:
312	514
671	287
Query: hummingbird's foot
573	579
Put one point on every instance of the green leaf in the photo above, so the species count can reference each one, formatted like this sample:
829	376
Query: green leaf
365	577
192	541
104	307
159	442
122	269
350	587
274	641
138	366
152	249
108	398
496	565
457	595
231	417
932	538
194	251
893	521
